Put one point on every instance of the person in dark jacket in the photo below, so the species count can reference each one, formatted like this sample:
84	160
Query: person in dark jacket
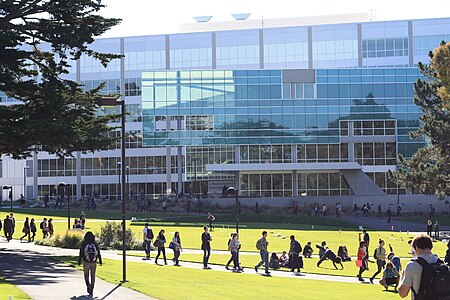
294	251
447	254
206	247
7	228
13	224
90	255
26	229
33	229
329	254
159	242
308	250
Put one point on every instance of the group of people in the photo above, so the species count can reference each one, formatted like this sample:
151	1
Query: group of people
29	228
9	225
160	243
433	228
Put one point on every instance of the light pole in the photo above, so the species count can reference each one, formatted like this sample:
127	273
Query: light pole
113	101
119	164
9	187
236	193
62	186
128	185
25	181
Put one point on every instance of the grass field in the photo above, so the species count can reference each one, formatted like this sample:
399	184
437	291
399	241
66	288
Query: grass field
8	290
183	283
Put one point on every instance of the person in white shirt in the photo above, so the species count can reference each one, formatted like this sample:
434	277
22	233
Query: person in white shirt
412	274
148	237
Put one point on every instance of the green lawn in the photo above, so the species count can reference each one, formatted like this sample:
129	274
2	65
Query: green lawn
7	290
183	283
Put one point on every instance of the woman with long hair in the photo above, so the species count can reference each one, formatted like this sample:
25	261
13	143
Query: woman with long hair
160	241
26	229
176	246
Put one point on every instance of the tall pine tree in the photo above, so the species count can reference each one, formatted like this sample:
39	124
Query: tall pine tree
55	114
428	170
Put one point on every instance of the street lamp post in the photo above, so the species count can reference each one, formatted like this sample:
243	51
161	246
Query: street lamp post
236	193
128	186
119	167
113	101
9	187
195	174
25	181
63	185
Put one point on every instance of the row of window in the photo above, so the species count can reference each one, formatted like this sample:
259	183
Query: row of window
370	154
385	47
370	128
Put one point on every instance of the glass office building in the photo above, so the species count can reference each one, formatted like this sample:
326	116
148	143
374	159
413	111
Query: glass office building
296	111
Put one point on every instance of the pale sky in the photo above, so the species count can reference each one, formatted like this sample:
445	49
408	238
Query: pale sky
145	17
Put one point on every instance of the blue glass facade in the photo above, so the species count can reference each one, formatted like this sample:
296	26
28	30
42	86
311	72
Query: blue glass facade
289	110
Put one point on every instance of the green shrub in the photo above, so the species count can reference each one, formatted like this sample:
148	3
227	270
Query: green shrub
71	239
111	237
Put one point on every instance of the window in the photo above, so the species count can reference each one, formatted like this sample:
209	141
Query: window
385	47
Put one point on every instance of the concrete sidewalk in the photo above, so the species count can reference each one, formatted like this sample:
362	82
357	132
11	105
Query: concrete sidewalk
30	269
53	251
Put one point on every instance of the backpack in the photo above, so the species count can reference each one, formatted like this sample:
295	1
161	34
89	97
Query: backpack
434	282
375	252
258	244
41	225
297	247
90	253
149	234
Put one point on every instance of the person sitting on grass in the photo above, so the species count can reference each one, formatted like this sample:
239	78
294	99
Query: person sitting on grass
274	262
284	260
329	254
308	250
343	253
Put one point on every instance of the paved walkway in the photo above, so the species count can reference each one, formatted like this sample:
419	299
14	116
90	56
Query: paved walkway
396	224
16	246
29	268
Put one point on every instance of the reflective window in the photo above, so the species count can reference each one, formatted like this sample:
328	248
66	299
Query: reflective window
385	47
425	43
234	48
190	50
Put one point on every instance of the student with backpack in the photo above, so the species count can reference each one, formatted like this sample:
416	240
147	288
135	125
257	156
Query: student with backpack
44	227
89	254
379	255
262	245
361	259
295	260
159	243
32	229
148	237
427	277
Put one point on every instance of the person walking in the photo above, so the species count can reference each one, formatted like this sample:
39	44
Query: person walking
176	246
361	260
206	247
13	225
1	226
379	212
229	249
159	243
51	229
436	230
148	238
429	228
83	220
32	229
90	255
380	256
26	229
44	227
262	245
294	251
211	219
366	239
389	215
7	228
234	247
